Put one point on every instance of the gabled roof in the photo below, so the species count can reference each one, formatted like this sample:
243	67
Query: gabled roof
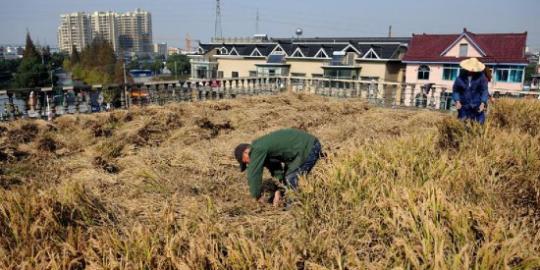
370	54
345	40
298	52
285	48
353	48
498	48
384	51
467	36
256	53
233	51
385	48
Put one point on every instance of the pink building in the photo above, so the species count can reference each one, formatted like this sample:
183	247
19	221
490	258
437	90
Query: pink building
434	59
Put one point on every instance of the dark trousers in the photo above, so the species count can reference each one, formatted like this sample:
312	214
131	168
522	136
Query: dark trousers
305	168
472	114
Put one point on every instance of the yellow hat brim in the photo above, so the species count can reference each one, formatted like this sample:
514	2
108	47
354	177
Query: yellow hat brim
472	65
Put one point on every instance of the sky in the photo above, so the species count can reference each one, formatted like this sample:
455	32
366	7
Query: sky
173	19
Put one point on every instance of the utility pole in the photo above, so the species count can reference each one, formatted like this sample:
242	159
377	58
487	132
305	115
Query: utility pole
126	94
175	71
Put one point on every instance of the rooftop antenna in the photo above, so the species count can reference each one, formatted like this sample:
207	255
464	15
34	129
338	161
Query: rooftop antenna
218	30
257	23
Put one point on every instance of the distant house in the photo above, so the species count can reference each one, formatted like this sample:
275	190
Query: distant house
435	58
535	82
352	58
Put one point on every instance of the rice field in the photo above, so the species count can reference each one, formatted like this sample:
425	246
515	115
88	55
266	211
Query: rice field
159	188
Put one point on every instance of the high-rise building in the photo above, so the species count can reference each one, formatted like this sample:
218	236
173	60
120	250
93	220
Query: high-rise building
74	31
105	26
135	32
129	33
160	49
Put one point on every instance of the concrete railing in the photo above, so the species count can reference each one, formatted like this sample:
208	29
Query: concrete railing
48	102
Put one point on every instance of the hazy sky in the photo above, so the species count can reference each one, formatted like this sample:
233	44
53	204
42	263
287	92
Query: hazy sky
173	19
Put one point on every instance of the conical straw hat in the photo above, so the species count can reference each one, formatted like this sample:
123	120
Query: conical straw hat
472	65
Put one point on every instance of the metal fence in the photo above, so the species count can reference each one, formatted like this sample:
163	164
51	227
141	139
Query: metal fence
51	102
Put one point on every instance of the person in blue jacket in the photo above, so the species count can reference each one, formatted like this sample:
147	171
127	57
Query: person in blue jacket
470	91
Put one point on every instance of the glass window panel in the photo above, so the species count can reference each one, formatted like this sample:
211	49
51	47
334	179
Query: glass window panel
463	50
502	75
423	73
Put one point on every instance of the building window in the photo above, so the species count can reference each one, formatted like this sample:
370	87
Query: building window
450	72
234	74
463	50
223	51
220	74
252	73
298	74
316	75
369	78
423	72
509	74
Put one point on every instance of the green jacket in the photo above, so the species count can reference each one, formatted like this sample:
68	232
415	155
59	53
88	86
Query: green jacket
289	146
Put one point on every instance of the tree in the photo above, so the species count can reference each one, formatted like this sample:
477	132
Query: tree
7	69
96	64
529	71
183	67
30	50
32	72
75	56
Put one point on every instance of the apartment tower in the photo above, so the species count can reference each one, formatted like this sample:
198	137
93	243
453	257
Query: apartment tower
129	33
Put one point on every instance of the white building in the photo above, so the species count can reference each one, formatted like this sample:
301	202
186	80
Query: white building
160	49
74	31
105	26
135	32
129	33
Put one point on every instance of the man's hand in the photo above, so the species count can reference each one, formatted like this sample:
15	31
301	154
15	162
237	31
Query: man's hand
277	198
458	105
482	107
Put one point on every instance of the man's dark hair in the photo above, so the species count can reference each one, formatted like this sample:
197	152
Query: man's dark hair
238	152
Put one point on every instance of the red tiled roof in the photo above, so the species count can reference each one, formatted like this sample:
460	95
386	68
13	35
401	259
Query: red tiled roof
499	48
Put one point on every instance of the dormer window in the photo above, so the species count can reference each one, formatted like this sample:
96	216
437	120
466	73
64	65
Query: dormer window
297	53
463	50
223	51
371	54
321	54
256	53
